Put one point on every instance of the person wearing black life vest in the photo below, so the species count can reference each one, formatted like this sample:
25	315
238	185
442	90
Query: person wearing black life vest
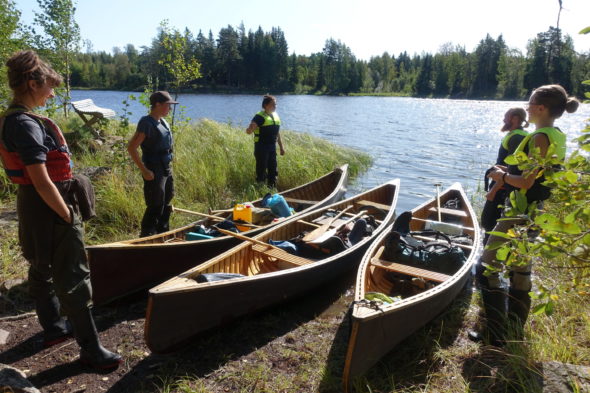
266	125
155	138
513	125
35	156
510	306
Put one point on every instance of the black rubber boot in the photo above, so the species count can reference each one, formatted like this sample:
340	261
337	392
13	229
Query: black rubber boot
494	301
92	353
55	328
519	304
495	307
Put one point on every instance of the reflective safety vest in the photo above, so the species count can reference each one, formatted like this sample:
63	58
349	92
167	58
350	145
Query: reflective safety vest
504	150
510	134
269	130
556	137
58	163
538	191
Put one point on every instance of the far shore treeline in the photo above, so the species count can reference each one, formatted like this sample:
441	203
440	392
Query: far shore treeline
238	60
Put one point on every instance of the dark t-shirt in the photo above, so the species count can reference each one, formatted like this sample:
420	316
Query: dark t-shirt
28	137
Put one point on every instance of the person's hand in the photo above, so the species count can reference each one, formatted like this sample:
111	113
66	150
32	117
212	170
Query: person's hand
491	195
497	175
147	175
68	217
501	167
282	151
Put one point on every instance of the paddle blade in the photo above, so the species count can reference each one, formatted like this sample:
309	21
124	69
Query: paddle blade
319	231
313	235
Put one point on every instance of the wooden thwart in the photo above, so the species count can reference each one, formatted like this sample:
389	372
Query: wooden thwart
409	270
373	204
301	201
451	212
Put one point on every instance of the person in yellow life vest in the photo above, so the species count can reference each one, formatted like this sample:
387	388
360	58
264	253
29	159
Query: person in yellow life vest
266	126
35	156
514	122
502	307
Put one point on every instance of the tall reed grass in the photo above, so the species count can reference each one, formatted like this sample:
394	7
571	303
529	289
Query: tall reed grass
214	167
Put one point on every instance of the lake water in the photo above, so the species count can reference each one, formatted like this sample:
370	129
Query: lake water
421	141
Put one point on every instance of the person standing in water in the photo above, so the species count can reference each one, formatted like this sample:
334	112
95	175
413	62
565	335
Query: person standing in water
155	138
266	125
35	156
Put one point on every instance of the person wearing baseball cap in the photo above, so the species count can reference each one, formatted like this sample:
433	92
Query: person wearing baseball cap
155	138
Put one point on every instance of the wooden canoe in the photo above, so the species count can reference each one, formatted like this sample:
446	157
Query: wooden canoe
121	268
181	308
376	329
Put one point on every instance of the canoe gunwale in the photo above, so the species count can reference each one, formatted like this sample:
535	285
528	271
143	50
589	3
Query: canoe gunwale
212	262
111	263
383	315
130	243
165	300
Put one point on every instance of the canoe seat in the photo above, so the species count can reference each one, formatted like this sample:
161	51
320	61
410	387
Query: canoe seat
450	212
378	205
409	270
300	201
281	255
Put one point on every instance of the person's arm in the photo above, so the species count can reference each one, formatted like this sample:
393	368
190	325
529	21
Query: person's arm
251	127
281	149
542	142
492	192
48	191
132	147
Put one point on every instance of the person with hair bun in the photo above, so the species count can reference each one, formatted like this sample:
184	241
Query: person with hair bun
510	306
35	156
266	125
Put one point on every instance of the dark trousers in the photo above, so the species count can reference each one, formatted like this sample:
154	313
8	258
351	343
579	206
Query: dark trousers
157	193
55	250
491	212
266	164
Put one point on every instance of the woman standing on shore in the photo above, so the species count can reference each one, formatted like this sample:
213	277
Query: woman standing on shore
36	157
266	125
547	103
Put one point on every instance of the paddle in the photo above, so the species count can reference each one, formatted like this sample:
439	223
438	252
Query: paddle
248	239
437	185
210	216
332	232
322	229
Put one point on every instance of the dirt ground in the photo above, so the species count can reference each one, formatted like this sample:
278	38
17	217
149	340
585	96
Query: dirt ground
56	369
121	328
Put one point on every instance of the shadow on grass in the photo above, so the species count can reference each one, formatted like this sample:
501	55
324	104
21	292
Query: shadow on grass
211	350
499	370
409	363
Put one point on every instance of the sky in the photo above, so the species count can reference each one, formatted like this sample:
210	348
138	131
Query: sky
368	27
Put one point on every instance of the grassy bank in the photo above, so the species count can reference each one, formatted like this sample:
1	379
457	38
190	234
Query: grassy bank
213	168
300	346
